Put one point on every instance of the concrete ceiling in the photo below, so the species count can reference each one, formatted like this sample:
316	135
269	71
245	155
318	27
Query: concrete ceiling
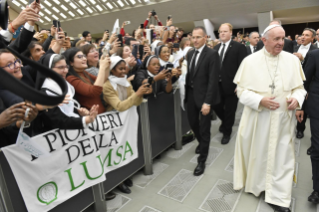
240	13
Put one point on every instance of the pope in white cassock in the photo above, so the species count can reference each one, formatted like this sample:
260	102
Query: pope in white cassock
270	85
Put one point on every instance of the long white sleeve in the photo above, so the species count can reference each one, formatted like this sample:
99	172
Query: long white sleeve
249	98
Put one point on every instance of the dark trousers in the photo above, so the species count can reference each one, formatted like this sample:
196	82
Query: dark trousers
314	127
199	123
226	111
302	126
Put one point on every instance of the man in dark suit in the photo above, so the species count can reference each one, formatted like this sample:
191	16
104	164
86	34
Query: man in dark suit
253	40
202	92
288	44
295	41
312	87
302	53
230	55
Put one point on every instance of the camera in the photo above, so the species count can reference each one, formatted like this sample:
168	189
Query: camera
169	67
153	13
4	14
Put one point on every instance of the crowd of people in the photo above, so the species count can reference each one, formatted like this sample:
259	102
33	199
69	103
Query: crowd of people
107	74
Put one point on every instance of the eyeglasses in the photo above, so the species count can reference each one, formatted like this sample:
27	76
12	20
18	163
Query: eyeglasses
81	56
92	51
197	38
61	68
13	65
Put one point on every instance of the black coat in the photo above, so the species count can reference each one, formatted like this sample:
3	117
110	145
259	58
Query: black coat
288	46
248	50
23	40
312	84
234	55
312	47
205	78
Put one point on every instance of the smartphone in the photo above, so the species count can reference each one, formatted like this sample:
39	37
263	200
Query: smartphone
142	26
169	17
107	30
141	51
169	67
66	34
57	25
153	13
127	22
150	81
134	51
31	1
120	38
176	45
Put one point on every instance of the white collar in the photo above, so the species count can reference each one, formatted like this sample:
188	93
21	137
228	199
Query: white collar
227	43
305	47
200	49
252	46
119	81
162	62
150	74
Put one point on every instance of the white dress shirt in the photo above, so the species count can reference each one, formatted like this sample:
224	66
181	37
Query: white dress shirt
8	36
317	44
252	48
198	55
303	50
221	47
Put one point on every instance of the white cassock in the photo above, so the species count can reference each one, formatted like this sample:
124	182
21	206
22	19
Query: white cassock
264	153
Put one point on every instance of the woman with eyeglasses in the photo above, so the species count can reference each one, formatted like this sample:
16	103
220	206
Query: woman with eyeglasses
64	116
92	56
88	88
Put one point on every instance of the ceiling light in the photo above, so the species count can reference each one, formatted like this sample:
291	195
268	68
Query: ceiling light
80	11
133	2
99	7
41	21
41	13
48	19
82	3
64	7
56	18
71	13
64	16
56	1
109	5
22	8
120	3
89	9
55	9
66	0
48	3
47	11
92	1
24	1
73	5
16	3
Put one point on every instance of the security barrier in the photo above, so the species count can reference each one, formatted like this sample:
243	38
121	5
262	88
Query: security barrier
161	124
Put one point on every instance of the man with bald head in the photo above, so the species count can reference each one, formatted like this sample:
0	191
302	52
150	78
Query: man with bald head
270	85
288	44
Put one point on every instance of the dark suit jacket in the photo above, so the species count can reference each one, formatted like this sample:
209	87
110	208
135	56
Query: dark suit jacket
312	47
23	40
294	42
205	78
288	46
234	54
312	84
248	50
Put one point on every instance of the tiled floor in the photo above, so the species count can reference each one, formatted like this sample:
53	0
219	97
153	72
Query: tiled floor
173	188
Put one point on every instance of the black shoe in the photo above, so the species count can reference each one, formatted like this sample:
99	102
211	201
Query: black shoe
109	196
225	139
188	137
309	150
299	134
122	187
314	197
128	182
197	151
200	168
279	208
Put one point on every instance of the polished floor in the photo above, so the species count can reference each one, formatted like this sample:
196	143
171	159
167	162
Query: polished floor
173	188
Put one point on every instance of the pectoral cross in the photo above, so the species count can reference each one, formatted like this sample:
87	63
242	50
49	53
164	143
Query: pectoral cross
272	86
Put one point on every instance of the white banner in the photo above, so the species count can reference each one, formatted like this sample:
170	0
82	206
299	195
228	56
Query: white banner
78	159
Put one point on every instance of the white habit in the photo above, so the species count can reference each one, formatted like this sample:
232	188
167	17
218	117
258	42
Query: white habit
264	153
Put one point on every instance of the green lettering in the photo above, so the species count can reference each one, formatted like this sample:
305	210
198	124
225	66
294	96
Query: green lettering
118	154
71	180
108	156
127	149
87	172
